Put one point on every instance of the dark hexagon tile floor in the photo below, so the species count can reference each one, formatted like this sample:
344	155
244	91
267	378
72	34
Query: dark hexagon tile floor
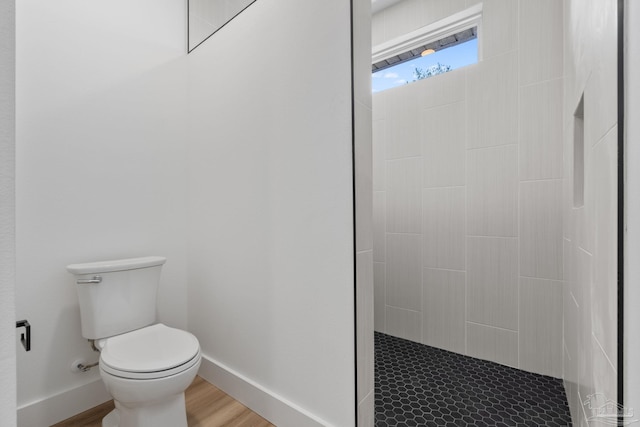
417	386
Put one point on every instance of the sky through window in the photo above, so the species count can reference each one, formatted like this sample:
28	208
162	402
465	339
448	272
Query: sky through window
457	56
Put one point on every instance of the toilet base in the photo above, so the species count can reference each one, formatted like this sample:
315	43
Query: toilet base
166	413
112	419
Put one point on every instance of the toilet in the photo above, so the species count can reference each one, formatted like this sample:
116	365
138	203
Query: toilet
146	366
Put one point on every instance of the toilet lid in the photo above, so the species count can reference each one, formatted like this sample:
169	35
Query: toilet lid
151	349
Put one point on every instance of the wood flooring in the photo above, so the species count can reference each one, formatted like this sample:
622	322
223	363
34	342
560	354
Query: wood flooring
207	406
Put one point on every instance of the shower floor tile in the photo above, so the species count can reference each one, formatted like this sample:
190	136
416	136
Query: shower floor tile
417	385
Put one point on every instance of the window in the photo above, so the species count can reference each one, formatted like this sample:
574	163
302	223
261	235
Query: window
420	67
443	46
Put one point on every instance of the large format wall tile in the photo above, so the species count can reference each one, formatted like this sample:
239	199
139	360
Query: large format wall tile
498	345
604	375
540	154
443	318
443	146
379	105
379	225
541	229
434	10
499	27
540	43
363	178
604	290
377	31
446	89
404	196
492	281
584	263
403	323
492	191
404	271
379	297
492	102
540	333
403	131
402	18
444	227
378	153
364	312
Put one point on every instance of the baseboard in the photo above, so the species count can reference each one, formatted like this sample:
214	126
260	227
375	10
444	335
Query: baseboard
267	404
61	406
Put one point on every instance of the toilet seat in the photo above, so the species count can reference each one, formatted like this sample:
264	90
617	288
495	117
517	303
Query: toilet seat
155	351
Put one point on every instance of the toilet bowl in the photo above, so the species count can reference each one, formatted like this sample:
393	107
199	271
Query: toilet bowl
147	371
145	366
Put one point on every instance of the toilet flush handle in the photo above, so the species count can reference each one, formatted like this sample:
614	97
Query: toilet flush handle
94	279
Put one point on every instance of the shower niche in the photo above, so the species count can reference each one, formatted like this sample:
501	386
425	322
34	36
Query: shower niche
208	16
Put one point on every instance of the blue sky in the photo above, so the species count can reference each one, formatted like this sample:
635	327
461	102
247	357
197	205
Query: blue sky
457	56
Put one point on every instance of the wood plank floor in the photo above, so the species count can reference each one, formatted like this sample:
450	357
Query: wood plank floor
207	406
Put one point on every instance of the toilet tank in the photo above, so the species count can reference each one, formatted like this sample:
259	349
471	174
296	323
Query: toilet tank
117	296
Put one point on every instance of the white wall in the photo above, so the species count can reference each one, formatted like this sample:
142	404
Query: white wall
632	205
101	168
7	214
271	291
590	231
128	147
467	190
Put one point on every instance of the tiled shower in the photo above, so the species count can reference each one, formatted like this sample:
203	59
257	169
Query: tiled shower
475	230
467	200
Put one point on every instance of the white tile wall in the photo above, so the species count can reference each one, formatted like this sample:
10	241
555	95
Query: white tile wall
540	38
403	18
443	302
379	103
492	101
492	191
364	177
444	227
540	338
486	342
404	271
492	281
604	374
379	225
540	154
377	29
499	27
404	195
379	291
541	229
446	89
489	146
378	143
443	145
366	410
404	323
605	270
434	10
365	323
402	132
585	354
571	325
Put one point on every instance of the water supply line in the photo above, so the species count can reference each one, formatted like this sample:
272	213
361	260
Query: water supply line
84	368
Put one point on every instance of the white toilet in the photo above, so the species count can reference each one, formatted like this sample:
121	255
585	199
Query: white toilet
145	366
